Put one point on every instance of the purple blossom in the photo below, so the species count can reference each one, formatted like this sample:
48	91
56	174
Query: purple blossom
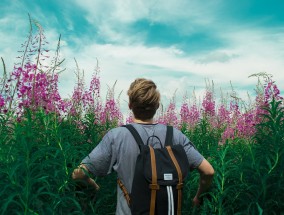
245	125
229	133
2	101
170	116
189	115
223	114
95	85
208	104
130	118
111	112
271	91
194	115
37	90
184	113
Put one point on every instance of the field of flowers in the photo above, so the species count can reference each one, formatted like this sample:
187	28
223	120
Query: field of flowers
43	137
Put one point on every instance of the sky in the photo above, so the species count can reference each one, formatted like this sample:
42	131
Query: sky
184	46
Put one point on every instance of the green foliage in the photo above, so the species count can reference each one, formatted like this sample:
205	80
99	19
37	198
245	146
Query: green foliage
39	153
248	173
271	130
270	151
204	137
38	156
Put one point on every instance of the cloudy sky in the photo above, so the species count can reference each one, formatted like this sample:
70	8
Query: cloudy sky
180	44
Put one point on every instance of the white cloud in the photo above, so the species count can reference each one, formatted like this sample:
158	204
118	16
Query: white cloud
246	55
11	38
127	11
112	18
248	49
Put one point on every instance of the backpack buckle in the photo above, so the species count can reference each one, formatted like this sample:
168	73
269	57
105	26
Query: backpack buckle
179	186
154	186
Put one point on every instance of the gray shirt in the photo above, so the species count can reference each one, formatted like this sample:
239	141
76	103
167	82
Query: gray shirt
118	151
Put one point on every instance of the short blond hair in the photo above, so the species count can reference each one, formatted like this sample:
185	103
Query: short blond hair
144	98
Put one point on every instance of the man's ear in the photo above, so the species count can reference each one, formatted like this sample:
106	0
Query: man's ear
130	106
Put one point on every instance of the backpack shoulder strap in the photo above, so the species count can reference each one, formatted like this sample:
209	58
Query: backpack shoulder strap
169	136
135	134
139	142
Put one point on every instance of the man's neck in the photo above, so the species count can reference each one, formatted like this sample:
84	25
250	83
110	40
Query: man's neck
148	121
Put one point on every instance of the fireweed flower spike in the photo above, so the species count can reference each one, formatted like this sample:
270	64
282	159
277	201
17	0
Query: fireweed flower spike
171	115
184	113
208	104
2	102
111	112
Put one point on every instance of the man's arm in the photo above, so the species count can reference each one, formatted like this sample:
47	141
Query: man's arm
79	174
206	172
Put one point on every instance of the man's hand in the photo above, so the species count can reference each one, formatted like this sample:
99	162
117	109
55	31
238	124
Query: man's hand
196	202
80	174
93	183
206	172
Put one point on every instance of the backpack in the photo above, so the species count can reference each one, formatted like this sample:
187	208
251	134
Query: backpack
158	177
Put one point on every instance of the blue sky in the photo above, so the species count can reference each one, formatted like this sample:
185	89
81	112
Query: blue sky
181	44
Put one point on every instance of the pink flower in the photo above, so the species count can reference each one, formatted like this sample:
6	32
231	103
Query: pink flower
111	112
223	114
170	116
194	115
2	101
271	91
208	105
184	113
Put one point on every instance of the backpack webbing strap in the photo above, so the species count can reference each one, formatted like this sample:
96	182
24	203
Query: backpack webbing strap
138	141
135	134
125	193
169	136
180	184
154	186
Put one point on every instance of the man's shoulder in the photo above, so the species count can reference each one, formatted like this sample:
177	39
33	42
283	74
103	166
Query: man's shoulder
117	131
119	128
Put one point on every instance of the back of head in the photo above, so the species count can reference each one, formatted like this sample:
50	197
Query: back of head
144	98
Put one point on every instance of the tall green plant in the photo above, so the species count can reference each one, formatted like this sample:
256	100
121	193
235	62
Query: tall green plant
36	167
270	157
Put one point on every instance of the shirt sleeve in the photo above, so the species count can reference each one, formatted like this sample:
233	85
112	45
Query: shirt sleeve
193	156
100	161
